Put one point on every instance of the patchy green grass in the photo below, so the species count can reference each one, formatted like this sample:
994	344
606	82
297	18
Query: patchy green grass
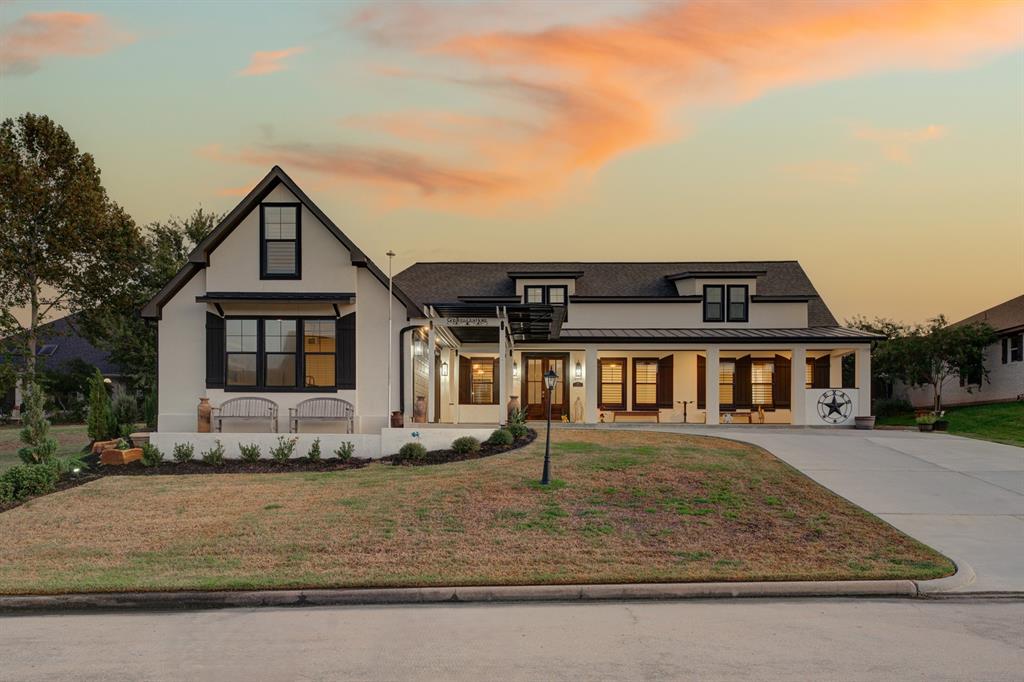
1002	422
71	438
626	507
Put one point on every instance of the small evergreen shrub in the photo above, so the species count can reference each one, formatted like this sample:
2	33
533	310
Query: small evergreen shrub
183	452
345	451
35	434
99	415
314	451
250	452
501	437
414	452
518	430
151	455
215	455
284	449
125	410
465	444
26	480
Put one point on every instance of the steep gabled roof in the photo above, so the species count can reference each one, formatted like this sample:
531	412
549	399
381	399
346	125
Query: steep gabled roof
449	282
200	256
1004	317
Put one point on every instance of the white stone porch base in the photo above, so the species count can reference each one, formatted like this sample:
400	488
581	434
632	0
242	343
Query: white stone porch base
371	445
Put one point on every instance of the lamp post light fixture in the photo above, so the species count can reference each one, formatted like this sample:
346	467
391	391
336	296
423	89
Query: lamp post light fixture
549	380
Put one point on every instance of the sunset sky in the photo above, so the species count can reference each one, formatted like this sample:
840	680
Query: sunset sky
879	143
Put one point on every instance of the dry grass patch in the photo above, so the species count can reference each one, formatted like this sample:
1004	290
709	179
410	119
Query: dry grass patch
625	507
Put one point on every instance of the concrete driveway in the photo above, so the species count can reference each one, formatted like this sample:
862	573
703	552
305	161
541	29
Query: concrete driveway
964	497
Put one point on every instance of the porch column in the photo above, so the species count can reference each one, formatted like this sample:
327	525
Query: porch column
502	376
591	379
798	380
407	399
711	398
863	361
835	370
431	372
453	374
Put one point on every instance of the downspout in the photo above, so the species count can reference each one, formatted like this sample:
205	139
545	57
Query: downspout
401	365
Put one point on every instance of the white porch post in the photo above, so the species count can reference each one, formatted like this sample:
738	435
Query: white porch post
503	382
431	372
835	370
453	374
592	378
798	379
711	397
863	360
408	372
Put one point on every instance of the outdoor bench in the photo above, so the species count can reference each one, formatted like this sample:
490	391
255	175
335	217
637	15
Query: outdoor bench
245	408
321	409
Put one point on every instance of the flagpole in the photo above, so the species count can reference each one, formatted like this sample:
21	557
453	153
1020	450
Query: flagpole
390	254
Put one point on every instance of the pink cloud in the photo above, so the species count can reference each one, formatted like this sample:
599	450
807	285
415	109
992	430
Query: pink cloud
569	99
35	37
896	144
262	63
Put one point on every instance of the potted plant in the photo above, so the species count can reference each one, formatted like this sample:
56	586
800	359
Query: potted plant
926	422
941	423
866	423
121	452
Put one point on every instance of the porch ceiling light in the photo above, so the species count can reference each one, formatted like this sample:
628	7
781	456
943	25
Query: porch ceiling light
579	372
444	369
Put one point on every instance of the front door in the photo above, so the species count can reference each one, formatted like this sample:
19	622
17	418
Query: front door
536	391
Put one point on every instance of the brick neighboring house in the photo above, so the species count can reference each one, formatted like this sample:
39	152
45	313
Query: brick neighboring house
1004	360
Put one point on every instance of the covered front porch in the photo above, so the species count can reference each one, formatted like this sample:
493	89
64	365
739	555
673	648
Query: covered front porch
461	374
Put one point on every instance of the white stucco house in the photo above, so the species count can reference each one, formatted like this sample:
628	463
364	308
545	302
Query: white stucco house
1004	360
279	303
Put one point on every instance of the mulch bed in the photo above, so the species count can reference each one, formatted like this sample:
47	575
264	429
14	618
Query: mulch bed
446	456
230	466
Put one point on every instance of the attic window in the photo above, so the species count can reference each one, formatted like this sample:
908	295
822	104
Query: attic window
47	350
280	241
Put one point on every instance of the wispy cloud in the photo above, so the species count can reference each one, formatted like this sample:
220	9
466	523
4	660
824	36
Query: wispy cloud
26	43
262	63
896	143
569	99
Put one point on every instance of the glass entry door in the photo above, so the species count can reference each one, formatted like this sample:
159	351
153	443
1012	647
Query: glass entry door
536	391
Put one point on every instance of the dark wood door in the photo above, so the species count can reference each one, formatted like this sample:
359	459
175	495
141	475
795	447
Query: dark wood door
536	392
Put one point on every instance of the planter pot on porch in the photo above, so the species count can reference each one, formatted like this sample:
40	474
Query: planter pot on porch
397	419
866	423
942	425
925	428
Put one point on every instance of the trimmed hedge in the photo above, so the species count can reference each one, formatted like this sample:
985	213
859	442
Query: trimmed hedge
501	437
28	480
465	444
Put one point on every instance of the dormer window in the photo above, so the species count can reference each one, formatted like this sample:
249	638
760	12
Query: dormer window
726	303
552	294
280	240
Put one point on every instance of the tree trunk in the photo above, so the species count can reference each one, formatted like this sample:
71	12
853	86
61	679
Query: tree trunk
33	323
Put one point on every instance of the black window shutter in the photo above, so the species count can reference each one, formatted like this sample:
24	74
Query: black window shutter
742	393
1006	349
782	382
665	391
702	384
495	378
465	380
345	359
820	374
214	351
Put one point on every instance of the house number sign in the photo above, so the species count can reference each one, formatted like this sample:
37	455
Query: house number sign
469	322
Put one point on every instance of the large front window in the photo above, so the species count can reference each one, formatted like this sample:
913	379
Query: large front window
612	390
761	372
645	383
273	353
726	375
279	241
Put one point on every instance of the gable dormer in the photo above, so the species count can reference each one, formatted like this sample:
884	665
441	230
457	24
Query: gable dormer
546	287
725	295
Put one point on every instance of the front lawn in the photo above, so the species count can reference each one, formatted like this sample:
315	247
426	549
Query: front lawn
71	438
624	507
1001	422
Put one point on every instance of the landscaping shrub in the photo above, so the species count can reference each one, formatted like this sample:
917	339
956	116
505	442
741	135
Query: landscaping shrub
465	444
39	446
518	430
501	437
149	409
345	451
183	452
892	407
151	455
314	451
284	449
413	451
100	417
250	452
125	411
517	416
215	455
26	480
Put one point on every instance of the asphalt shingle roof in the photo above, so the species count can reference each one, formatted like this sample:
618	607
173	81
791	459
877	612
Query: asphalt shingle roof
445	282
1002	317
69	344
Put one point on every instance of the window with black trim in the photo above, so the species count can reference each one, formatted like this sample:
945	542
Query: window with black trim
714	303
1017	348
241	346
761	372
737	311
611	392
319	347
645	383
279	353
533	294
552	294
280	241
273	353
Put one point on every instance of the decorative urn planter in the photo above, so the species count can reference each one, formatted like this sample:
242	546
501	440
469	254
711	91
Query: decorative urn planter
419	410
204	411
865	423
513	406
397	419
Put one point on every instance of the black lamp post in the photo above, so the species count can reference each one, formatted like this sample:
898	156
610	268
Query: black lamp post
549	380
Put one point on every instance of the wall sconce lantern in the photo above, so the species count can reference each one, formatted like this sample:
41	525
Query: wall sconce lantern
579	372
444	369
417	347
515	370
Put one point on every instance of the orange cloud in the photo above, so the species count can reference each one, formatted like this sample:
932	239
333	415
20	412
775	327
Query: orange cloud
262	63
897	143
573	97
38	36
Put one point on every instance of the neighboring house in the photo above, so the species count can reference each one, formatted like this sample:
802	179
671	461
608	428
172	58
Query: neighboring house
278	303
1004	360
58	344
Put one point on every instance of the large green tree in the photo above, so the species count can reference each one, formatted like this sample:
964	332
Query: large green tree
64	244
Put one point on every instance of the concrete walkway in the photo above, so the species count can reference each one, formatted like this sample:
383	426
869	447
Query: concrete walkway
962	496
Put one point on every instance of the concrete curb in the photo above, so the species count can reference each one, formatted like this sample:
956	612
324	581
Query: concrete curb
457	595
963	577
